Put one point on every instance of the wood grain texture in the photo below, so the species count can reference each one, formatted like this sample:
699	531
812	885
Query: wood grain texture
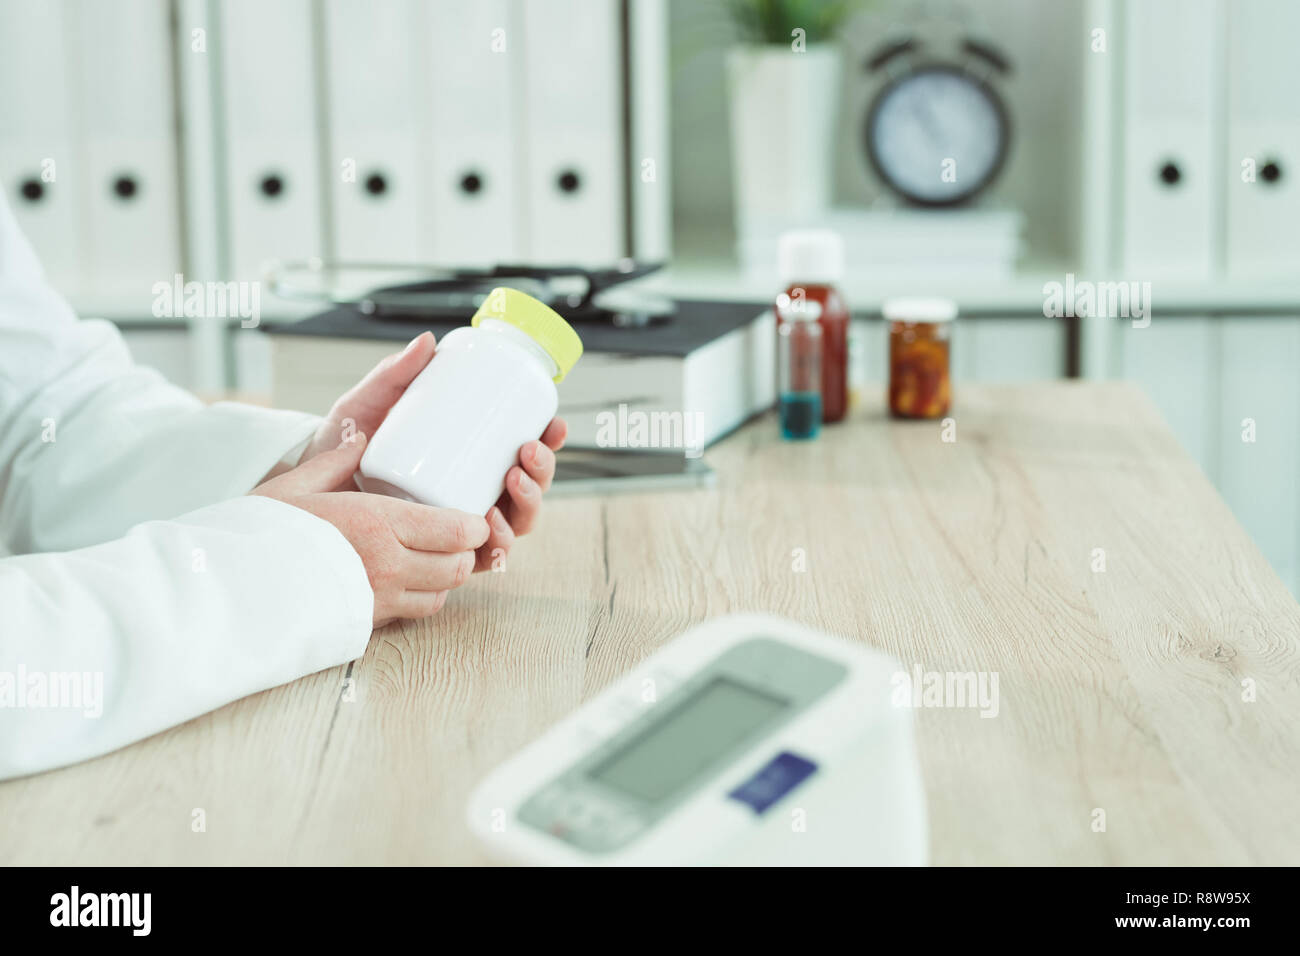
1120	690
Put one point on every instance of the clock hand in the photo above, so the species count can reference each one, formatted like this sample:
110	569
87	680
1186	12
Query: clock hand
924	111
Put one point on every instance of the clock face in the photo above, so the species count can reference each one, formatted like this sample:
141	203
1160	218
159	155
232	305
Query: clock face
937	135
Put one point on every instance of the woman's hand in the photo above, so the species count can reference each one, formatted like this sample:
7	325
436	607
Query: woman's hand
413	554
363	409
516	510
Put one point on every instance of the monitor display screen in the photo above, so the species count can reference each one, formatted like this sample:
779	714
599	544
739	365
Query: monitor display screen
687	741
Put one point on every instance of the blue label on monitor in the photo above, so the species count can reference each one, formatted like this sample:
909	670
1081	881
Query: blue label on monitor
782	774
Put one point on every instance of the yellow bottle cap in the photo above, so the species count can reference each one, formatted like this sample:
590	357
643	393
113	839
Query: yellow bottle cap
538	321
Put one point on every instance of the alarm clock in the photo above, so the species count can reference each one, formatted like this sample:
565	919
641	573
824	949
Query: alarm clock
937	133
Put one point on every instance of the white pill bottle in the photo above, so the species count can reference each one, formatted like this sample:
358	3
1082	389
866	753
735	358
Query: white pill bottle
490	388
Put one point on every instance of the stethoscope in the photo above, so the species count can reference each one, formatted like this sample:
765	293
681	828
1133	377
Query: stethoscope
425	292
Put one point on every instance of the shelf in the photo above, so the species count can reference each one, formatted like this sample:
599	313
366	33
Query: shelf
137	310
722	279
1020	295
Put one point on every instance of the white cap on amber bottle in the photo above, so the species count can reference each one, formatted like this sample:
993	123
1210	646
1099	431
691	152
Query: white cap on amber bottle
924	310
815	256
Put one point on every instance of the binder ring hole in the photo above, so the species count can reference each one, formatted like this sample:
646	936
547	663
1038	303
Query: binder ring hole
376	184
568	181
1170	174
1270	172
125	187
272	185
32	190
471	183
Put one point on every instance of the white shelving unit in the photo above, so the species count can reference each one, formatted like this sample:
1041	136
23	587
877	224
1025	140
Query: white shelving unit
574	184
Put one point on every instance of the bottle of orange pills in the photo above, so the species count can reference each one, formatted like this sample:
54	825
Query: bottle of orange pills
920	336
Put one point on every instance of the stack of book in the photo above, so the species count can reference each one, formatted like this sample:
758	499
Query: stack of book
676	385
905	243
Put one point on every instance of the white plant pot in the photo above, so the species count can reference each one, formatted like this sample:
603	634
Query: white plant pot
783	111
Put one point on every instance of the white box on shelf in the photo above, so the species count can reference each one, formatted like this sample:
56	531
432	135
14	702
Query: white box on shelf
473	52
39	152
977	242
1170	193
377	169
129	183
573	174
1262	224
272	153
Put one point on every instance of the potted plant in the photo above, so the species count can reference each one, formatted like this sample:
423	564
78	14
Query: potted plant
783	82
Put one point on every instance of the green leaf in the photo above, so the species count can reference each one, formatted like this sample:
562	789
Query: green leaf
774	21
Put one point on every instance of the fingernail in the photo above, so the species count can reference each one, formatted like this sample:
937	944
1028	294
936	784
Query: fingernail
411	344
526	484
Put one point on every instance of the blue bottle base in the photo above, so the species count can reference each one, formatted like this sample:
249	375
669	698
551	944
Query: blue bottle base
801	415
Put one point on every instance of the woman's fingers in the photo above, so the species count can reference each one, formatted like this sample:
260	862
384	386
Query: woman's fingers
425	528
420	528
326	472
372	397
417	604
539	462
500	538
555	434
525	484
436	571
524	500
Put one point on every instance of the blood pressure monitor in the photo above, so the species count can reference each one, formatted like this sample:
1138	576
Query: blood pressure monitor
746	740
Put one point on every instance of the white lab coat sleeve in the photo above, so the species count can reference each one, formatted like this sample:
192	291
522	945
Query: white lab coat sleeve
92	444
105	645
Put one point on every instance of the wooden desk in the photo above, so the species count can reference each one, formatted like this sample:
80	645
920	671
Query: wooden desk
1120	690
